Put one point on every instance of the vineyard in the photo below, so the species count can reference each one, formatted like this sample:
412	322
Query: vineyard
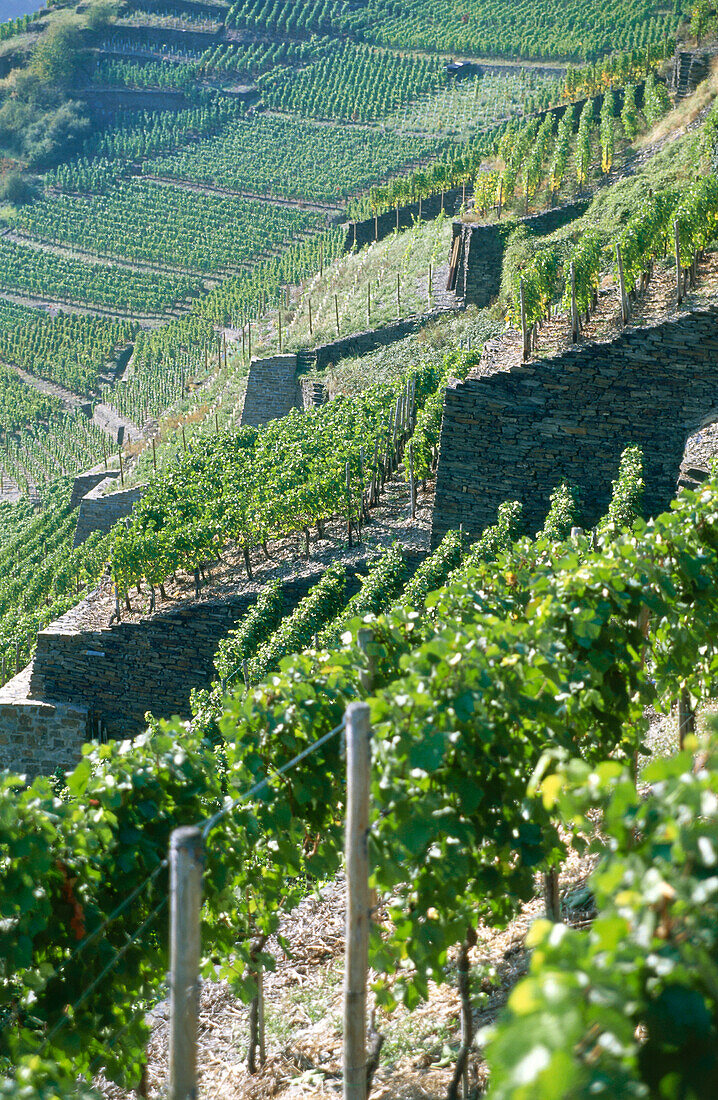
497	29
44	274
506	689
354	82
169	226
425	670
42	576
71	349
279	157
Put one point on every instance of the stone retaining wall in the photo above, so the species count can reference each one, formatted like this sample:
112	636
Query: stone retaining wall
516	435
101	513
118	673
85	483
37	737
272	390
481	252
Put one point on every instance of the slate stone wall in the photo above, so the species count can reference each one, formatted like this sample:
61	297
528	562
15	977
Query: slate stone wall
516	435
36	738
482	248
101	513
119	672
272	389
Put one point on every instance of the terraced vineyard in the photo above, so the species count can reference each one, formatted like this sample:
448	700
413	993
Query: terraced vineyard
44	274
71	349
289	158
167	226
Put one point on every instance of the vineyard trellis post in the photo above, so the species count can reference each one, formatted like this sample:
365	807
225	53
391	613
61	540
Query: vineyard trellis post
186	859
524	332
412	484
622	285
677	237
574	308
358	739
686	718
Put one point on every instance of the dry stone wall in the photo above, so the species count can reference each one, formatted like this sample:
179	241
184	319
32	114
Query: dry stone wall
118	673
272	390
100	512
516	435
37	737
481	252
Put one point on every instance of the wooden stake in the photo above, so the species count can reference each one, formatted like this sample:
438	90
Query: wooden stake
122	472
398	296
552	900
357	902
368	303
574	310
412	486
184	440
349	503
311	326
186	867
154	456
677	236
526	344
622	285
249	340
686	719
280	330
336	311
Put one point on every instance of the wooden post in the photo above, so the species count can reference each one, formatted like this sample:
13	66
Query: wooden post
311	326
349	504
412	485
216	421
249	340
524	331
552	900
104	451
184	440
280	329
622	285
398	296
336	311
677	236
430	286
154	456
186	867
376	228
574	310
368	303
374	497
357	902
122	472
397	217
686	719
